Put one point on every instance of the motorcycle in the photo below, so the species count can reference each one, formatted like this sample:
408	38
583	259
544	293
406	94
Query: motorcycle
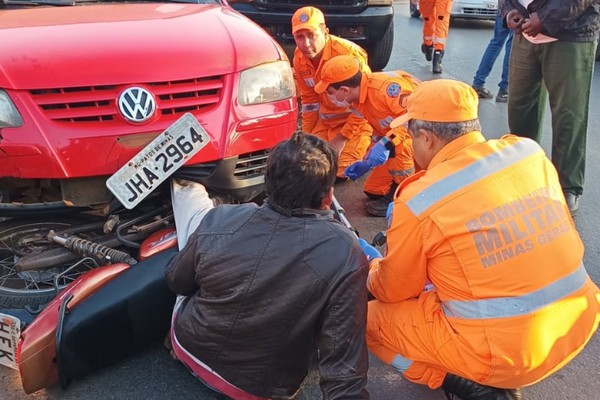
63	274
107	295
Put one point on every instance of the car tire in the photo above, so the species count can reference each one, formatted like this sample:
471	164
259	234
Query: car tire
380	53
414	10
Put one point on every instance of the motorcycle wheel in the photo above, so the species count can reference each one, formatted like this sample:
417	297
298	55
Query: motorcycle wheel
32	289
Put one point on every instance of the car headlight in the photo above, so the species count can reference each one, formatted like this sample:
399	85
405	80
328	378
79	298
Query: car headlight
266	82
9	116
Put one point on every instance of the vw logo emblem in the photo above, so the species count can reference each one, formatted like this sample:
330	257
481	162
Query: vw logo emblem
137	104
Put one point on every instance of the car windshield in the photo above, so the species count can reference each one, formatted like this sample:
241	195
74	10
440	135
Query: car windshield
6	3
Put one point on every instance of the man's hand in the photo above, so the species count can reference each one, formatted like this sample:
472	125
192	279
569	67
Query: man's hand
338	143
514	20
377	156
532	26
370	251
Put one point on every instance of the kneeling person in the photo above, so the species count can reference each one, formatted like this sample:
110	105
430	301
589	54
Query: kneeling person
379	98
268	285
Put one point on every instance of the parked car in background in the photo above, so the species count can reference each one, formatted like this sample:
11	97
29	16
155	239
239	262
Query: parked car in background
468	9
368	23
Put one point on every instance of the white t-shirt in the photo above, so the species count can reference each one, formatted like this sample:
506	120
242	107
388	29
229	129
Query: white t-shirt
540	38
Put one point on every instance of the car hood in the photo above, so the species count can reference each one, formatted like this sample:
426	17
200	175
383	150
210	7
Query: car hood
125	43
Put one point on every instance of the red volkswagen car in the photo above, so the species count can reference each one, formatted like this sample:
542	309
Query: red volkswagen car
85	86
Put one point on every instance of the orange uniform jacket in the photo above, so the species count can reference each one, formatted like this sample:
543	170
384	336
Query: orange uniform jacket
487	225
382	98
318	108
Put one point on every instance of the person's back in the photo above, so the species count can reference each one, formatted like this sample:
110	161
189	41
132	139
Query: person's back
269	285
500	203
482	289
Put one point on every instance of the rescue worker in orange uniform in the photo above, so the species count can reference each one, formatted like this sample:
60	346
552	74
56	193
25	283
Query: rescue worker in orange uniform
330	120
483	289
379	97
436	22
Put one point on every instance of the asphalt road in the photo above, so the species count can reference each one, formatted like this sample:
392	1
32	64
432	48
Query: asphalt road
153	375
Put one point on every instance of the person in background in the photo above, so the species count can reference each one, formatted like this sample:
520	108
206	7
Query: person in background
436	23
483	289
265	290
552	57
379	97
323	116
501	36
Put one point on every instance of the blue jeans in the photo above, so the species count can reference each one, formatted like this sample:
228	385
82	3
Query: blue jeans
491	53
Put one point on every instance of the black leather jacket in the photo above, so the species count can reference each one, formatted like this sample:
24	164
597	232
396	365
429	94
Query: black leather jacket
568	20
267	291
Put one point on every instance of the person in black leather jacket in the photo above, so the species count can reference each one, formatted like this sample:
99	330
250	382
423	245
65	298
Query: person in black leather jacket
270	288
552	56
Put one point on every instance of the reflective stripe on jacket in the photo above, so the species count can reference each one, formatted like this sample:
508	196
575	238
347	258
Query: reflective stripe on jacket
488	226
306	76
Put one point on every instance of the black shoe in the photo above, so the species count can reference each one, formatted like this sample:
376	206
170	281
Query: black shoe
437	61
572	200
428	51
465	389
502	96
378	208
482	92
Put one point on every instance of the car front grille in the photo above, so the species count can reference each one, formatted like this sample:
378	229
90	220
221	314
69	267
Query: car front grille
251	164
479	11
98	103
342	6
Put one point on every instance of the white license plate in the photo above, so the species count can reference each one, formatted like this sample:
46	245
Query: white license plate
491	6
10	332
157	161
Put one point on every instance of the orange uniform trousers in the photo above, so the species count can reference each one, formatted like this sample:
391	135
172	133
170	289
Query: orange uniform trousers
354	149
395	169
436	22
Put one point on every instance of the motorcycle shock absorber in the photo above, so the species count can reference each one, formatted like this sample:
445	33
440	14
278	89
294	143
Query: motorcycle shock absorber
87	248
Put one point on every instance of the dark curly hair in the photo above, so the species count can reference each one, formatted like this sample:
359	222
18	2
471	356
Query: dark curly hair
300	172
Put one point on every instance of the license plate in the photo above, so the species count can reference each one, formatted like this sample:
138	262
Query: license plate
157	161
10	332
491	6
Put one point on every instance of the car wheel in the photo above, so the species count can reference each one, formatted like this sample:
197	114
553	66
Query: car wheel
414	10
380	53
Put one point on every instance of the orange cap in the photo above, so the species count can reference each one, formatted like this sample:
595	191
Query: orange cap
440	100
337	69
307	18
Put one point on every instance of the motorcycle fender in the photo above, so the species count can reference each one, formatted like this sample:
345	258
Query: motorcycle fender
157	242
38	341
123	317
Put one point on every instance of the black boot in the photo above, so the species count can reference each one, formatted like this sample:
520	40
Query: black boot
465	389
378	208
437	61
428	51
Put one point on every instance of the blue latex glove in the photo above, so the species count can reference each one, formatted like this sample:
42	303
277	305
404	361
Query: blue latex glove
370	251
388	213
377	156
378	153
357	169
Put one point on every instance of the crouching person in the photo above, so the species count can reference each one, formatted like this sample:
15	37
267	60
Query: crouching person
267	289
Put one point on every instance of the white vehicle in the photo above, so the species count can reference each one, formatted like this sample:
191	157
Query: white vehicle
469	9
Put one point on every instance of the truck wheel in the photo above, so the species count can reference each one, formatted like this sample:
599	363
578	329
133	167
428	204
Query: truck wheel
379	55
31	289
414	10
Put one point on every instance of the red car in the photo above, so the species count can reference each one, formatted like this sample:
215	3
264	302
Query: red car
84	86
